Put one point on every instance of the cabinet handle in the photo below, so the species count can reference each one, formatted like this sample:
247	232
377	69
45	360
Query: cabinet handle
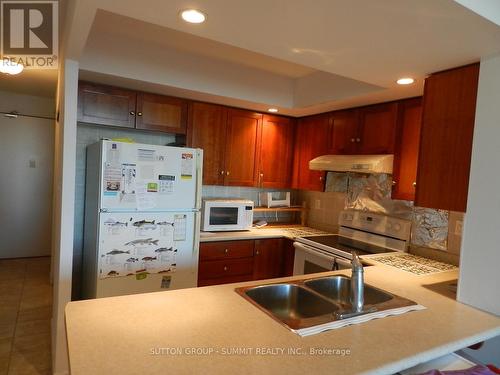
226	251
358	140
257	252
353	140
222	172
394	183
227	173
132	113
139	113
262	175
226	268
321	178
414	184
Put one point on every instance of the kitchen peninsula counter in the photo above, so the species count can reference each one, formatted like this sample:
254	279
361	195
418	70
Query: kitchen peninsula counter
213	330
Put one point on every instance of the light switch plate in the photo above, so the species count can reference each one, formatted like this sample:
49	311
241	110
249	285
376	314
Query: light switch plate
459	227
317	204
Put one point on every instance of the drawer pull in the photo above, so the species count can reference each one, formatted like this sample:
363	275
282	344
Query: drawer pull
226	268
226	251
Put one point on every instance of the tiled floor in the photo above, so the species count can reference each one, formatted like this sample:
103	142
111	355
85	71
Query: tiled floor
25	311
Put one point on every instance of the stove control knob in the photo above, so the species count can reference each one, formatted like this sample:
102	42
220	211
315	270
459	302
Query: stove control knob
397	227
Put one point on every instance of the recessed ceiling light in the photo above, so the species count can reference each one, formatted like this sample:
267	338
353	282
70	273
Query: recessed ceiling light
405	81
193	16
10	67
273	110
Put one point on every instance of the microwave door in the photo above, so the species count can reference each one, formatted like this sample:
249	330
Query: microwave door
223	216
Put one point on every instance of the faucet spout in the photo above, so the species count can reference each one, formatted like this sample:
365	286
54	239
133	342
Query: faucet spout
357	284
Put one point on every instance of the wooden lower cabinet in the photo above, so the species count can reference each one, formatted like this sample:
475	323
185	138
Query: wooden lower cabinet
237	261
268	259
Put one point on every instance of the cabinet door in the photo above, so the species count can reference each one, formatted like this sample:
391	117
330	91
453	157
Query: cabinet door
344	132
446	138
311	136
207	130
161	113
268	259
289	256
406	150
276	152
106	105
377	129
242	147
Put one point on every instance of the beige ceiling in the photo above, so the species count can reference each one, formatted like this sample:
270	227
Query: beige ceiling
370	42
39	82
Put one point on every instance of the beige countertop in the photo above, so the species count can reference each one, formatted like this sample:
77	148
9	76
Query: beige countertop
155	333
260	233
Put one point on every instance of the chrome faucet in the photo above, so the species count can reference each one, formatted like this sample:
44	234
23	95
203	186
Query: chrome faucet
357	284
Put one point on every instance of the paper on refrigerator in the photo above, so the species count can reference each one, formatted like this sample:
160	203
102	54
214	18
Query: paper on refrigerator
136	245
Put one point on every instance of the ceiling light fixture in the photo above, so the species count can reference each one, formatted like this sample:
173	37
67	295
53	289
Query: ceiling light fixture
273	110
193	16
10	67
405	81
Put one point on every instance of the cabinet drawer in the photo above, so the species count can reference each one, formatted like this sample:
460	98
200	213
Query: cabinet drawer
224	280
226	250
224	268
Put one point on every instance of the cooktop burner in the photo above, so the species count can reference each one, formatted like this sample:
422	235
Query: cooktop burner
347	244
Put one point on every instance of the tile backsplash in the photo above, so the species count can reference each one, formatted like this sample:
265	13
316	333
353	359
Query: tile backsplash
251	194
438	230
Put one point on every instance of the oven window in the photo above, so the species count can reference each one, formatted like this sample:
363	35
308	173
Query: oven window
223	216
313	268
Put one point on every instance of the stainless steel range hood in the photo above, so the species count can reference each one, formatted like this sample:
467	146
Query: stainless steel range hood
353	163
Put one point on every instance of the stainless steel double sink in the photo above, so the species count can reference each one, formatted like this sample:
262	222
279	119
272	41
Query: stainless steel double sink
307	303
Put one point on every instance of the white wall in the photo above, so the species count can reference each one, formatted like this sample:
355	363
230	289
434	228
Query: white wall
25	191
63	209
480	256
26	154
27	104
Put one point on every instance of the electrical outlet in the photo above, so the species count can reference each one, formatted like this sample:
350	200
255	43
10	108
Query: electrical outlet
32	163
317	204
459	227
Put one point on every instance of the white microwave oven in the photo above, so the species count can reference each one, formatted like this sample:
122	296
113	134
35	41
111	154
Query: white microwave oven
220	215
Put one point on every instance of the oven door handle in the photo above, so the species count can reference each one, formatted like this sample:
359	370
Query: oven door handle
315	252
343	262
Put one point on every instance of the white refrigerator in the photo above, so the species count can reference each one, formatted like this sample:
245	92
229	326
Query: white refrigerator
142	218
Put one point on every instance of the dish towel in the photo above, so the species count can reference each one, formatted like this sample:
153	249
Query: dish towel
356	320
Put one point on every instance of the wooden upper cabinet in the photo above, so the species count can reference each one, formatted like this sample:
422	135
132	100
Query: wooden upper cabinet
344	132
377	129
276	152
207	130
243	136
106	105
312	135
446	138
161	113
406	150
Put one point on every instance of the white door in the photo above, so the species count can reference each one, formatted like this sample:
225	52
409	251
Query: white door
147	177
145	252
26	154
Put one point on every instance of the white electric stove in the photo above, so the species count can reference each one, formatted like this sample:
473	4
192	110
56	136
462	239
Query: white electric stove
363	232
